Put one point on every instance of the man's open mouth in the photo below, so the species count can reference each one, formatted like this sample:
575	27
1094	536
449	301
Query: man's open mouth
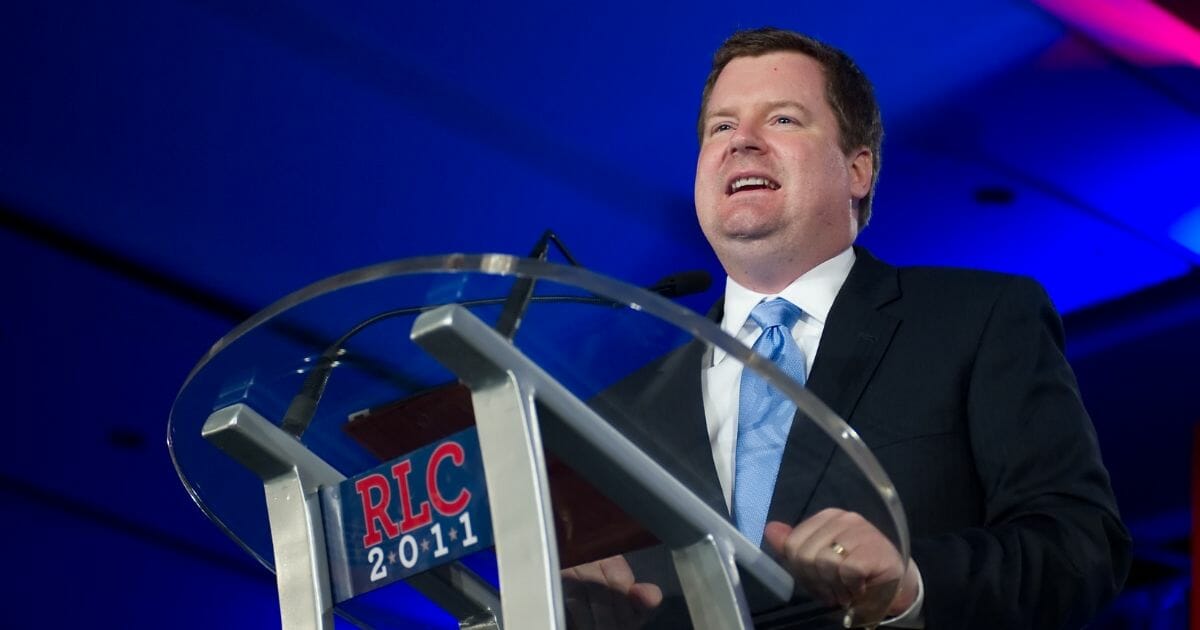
753	182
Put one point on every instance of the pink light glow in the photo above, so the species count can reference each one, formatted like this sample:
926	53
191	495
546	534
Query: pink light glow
1138	30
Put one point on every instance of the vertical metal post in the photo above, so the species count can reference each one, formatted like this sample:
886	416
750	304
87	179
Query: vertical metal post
518	492
711	586
515	471
291	478
301	565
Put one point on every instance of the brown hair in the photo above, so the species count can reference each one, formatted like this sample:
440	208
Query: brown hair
847	89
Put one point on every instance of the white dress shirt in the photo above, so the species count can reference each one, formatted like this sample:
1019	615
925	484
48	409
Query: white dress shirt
813	292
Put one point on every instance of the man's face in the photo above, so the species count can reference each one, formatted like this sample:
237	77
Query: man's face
771	179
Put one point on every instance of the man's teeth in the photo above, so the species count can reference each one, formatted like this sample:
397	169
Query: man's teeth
743	182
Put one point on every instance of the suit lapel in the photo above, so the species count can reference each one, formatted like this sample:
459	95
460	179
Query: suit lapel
673	408
855	338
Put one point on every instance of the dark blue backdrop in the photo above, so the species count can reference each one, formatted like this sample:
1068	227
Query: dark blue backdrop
167	168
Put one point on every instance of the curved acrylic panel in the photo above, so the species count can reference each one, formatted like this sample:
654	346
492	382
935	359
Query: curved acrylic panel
633	356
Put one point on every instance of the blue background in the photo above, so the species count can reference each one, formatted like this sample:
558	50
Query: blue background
167	168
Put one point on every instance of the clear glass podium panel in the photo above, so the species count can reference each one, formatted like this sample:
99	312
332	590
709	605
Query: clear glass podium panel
634	357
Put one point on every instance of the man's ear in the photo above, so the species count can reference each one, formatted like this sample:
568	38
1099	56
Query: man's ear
862	172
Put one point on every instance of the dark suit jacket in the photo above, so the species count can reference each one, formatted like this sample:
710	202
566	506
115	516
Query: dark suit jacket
957	382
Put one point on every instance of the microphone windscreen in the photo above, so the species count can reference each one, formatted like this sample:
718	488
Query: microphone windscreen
683	283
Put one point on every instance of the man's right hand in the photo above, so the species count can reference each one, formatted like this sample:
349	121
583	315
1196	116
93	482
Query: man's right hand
604	595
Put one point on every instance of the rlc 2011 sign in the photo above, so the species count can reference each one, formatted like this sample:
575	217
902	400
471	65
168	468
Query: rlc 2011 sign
411	514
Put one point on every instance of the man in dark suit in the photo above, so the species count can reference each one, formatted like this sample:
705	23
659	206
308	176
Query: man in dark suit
955	379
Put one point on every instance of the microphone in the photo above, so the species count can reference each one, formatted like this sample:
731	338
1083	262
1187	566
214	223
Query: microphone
303	407
522	291
683	284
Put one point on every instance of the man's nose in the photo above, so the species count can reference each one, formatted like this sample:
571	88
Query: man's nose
745	139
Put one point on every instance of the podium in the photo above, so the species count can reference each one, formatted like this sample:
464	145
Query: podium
377	443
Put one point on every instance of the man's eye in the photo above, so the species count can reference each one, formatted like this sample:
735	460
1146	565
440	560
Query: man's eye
785	120
719	127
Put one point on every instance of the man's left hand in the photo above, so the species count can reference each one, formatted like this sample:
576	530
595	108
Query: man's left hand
841	558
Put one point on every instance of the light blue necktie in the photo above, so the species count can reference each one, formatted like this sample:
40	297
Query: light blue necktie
764	418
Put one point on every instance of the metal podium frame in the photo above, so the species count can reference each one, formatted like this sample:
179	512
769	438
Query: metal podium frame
504	387
723	575
292	476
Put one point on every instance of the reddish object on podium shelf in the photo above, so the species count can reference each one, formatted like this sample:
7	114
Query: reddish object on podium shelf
587	524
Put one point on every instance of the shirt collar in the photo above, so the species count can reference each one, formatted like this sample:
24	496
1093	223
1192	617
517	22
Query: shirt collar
813	292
